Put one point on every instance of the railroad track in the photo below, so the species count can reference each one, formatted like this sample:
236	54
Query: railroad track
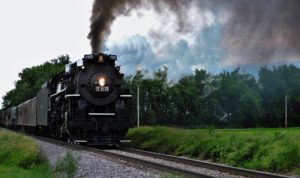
128	154
208	165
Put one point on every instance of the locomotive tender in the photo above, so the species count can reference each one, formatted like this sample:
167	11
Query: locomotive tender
86	103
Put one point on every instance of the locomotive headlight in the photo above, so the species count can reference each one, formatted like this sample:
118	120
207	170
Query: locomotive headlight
102	82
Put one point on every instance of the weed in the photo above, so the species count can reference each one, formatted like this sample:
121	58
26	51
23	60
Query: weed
297	171
172	176
66	166
278	135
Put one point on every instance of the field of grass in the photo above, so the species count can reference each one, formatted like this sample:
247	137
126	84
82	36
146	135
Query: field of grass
20	157
274	150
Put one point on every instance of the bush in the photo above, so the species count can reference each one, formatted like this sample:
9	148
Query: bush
261	149
67	165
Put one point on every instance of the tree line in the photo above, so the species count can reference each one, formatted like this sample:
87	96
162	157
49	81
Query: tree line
229	99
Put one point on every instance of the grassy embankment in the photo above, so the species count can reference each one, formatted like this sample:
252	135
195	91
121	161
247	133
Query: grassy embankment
20	156
275	150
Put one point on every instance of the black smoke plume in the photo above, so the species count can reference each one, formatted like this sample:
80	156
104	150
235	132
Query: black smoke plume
103	14
106	11
256	31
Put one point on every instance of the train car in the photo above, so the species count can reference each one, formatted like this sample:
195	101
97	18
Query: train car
86	103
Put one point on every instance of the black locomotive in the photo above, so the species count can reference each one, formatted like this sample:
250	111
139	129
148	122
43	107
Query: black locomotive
86	103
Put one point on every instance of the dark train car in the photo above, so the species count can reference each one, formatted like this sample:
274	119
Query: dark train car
86	103
21	114
42	108
31	112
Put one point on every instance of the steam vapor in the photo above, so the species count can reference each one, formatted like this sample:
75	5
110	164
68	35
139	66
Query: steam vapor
255	31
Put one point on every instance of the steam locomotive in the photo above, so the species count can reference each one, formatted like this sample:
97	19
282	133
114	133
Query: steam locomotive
85	104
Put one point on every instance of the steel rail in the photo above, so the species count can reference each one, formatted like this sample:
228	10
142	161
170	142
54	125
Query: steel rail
204	164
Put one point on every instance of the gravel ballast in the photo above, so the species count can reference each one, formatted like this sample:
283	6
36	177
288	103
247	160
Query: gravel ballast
92	165
209	172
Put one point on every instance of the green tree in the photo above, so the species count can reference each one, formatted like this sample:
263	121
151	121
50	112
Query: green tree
238	96
275	84
188	100
31	80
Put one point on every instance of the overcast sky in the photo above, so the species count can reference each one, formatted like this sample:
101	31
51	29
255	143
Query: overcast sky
35	31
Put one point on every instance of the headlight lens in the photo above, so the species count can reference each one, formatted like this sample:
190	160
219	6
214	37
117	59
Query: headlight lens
102	82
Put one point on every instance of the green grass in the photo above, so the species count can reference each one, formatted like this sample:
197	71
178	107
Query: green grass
39	171
20	157
275	150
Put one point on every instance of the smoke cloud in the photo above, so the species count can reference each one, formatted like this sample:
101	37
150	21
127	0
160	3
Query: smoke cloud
254	31
105	12
261	32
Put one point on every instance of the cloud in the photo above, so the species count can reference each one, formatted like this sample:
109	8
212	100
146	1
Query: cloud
181	57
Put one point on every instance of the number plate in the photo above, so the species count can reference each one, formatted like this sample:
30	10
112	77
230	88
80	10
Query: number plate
102	89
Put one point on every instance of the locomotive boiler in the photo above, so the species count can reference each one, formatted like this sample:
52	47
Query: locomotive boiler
87	103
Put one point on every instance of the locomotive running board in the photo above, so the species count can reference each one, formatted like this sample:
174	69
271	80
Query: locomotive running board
102	114
80	141
126	96
57	93
125	141
72	95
